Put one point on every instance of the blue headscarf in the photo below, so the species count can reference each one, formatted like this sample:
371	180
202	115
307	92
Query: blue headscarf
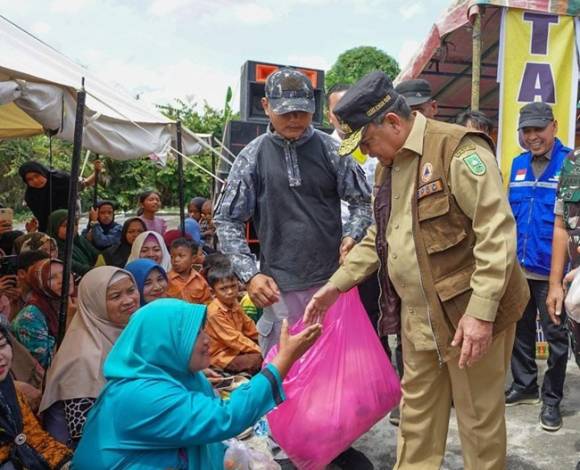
140	269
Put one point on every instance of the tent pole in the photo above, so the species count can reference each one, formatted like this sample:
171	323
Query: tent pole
213	170
180	179
96	188
72	208
476	68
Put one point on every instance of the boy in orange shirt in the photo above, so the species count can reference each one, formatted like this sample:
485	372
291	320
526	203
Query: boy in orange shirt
186	283
234	338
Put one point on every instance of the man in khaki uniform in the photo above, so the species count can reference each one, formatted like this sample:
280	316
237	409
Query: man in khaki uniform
444	242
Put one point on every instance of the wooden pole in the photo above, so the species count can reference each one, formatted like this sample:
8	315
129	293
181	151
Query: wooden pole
180	176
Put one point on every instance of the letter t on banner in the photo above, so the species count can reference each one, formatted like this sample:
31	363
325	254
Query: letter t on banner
537	62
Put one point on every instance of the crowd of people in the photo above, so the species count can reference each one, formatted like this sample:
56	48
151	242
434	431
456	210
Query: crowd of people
159	317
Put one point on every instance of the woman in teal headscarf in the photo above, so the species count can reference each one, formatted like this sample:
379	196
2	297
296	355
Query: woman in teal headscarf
159	411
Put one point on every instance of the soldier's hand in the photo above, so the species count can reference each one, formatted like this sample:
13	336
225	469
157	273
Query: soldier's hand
263	291
554	302
320	303
475	337
348	243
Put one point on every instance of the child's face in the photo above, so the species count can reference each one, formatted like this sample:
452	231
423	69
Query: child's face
182	259
152	203
106	214
194	212
226	291
206	209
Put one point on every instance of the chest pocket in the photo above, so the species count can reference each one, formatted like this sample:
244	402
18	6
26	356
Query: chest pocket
441	228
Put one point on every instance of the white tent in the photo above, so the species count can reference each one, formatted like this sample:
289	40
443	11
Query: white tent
38	89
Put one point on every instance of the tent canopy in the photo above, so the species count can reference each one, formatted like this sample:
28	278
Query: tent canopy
38	88
445	57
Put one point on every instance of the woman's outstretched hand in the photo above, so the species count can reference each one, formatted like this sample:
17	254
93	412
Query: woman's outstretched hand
293	347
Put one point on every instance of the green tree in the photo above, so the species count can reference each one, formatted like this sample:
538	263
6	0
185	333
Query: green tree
352	65
127	178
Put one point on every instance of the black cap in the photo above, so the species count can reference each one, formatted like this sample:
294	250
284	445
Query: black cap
369	97
535	115
289	90
415	92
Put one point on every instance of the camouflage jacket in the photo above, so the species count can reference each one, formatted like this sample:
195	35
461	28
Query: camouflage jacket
569	195
241	196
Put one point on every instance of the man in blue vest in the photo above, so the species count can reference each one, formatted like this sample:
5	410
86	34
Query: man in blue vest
532	195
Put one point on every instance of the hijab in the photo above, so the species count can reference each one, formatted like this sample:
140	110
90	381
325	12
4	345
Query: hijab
171	235
118	254
107	227
84	254
35	241
140	241
140	269
12	425
155	348
54	195
42	296
76	371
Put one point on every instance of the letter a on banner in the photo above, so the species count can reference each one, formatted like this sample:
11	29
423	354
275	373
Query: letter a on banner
537	62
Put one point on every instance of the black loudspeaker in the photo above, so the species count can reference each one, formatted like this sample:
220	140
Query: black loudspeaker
254	75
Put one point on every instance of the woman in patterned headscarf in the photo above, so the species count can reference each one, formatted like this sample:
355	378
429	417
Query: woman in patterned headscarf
36	325
23	443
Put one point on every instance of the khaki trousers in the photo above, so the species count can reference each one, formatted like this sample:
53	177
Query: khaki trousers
478	396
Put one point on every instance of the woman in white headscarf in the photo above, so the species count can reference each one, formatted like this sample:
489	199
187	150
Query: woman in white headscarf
108	296
151	245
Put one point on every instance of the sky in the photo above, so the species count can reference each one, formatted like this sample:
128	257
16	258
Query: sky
193	50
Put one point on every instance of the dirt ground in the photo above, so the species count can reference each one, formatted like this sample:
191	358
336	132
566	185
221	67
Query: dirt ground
529	447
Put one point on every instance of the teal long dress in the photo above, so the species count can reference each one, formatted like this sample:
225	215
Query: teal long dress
155	414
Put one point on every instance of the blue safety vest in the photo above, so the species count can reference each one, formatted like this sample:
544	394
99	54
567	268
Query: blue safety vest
533	202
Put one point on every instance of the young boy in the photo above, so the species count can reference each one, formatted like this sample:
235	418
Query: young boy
185	282
234	338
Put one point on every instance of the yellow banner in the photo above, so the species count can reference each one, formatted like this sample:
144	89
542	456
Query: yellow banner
537	63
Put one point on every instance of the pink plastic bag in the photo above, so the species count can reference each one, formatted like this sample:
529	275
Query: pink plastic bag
337	391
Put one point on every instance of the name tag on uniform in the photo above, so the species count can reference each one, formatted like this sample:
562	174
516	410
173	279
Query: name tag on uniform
521	174
430	188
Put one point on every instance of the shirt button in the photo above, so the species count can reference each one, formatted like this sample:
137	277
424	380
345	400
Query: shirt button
396	226
394	256
396	168
411	310
396	196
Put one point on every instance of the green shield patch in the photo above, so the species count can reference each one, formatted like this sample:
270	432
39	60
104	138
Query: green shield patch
475	164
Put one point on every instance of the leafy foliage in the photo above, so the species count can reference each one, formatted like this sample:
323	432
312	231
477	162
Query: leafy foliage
126	178
353	64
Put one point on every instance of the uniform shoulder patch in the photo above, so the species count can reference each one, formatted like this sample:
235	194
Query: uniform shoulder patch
475	164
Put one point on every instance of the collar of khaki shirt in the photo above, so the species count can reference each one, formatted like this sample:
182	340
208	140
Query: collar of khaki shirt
173	276
414	142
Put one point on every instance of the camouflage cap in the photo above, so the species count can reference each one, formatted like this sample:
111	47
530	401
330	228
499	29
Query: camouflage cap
290	90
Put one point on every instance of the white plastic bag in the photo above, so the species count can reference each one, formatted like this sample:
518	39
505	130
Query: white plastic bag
572	301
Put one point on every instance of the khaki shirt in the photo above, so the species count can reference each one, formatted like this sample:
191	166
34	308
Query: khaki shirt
481	198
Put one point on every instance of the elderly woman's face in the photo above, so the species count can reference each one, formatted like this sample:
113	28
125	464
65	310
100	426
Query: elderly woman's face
122	300
155	286
200	358
5	357
151	250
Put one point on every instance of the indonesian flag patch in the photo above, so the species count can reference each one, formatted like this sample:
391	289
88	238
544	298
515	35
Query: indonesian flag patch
521	174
